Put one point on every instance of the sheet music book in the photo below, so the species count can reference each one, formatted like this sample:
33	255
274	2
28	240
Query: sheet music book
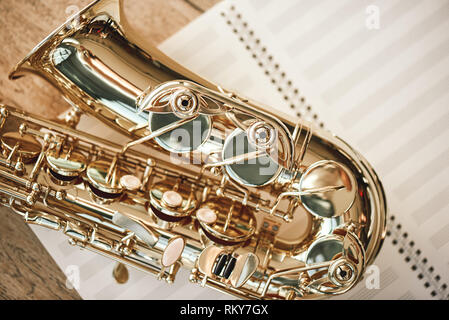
374	72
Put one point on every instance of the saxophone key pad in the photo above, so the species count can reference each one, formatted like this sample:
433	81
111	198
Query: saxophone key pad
130	182
103	183
188	137
324	249
172	199
255	172
170	205
24	146
206	215
65	166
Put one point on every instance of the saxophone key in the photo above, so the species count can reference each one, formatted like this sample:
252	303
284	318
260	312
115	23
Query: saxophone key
130	182
141	230
186	138
100	241
233	223
328	189
206	215
104	183
16	146
248	165
65	167
170	256
221	263
230	268
172	201
75	232
173	251
44	220
342	251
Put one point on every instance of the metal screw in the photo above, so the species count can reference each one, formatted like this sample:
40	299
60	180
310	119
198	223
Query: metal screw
343	273
262	135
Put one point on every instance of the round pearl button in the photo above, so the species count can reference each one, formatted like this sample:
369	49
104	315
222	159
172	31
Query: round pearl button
206	215
130	182
172	252
172	199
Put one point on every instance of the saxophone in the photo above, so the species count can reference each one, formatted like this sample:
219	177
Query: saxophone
252	203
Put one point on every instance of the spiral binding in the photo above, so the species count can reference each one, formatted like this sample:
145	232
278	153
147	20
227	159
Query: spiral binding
297	100
418	262
272	69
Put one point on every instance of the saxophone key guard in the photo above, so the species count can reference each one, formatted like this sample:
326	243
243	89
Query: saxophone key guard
172	201
226	222
104	180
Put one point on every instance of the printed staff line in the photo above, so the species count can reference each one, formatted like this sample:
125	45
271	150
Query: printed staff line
407	113
189	49
259	4
407	296
91	268
370	67
413	145
387	277
216	65
399	82
431	207
429	171
109	292
291	14
345	50
441	237
343	13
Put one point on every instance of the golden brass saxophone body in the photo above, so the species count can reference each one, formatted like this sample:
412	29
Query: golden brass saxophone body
253	204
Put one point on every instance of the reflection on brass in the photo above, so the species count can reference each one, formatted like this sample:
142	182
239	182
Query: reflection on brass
25	146
328	202
66	163
249	201
120	273
97	175
235	223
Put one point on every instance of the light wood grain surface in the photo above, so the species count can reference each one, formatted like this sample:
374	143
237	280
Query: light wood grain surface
27	271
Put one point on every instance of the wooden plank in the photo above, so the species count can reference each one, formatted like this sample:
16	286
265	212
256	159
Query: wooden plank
27	271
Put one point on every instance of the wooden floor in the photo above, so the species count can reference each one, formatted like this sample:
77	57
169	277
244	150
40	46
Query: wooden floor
27	271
